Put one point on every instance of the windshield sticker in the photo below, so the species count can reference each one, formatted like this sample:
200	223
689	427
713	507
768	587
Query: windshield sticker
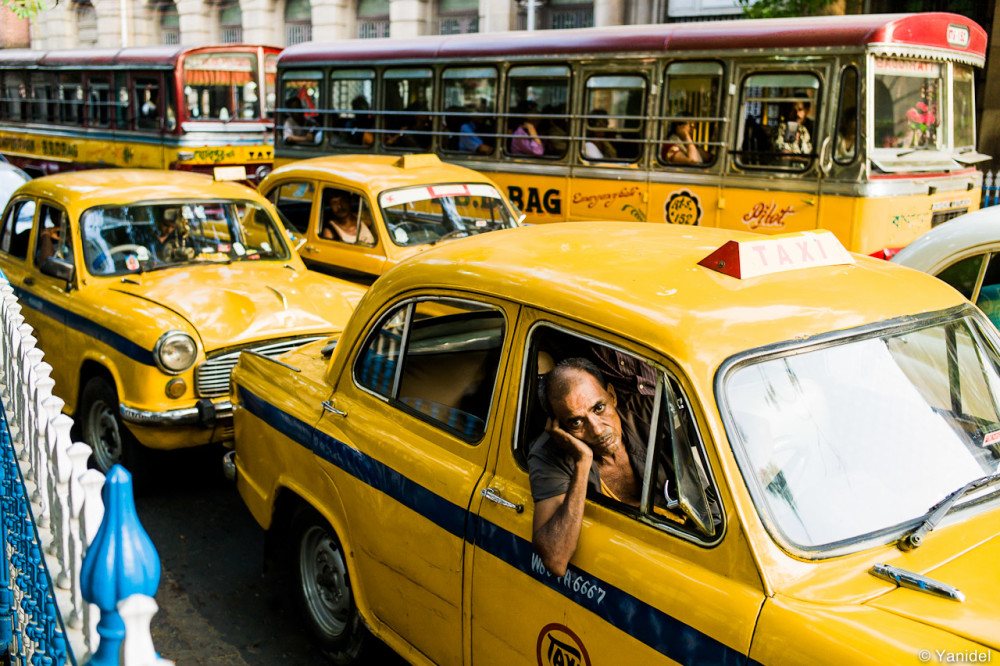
131	263
683	208
239	249
558	645
412	194
991	438
142	253
401	236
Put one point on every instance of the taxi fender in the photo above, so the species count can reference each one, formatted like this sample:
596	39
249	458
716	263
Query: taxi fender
86	370
331	508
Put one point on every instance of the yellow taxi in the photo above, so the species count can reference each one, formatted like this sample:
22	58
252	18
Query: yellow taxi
144	287
820	434
355	216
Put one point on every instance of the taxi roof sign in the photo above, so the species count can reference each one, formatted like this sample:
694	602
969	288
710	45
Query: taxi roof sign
784	252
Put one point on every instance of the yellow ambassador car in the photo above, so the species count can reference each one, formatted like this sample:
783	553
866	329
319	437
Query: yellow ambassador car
144	286
822	451
355	216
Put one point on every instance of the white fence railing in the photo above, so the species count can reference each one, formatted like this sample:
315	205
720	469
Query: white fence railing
991	189
77	571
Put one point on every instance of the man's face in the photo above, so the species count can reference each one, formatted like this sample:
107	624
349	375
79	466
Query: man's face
588	411
339	206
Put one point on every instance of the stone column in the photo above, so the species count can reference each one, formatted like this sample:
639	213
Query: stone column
609	12
333	19
54	28
195	22
497	16
109	23
409	18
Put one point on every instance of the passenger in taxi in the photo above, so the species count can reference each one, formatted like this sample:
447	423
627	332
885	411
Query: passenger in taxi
48	238
586	444
343	224
173	240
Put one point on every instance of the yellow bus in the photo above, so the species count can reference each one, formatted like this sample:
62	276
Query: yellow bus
161	107
862	124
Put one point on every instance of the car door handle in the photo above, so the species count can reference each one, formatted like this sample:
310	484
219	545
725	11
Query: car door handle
492	495
29	281
310	248
328	406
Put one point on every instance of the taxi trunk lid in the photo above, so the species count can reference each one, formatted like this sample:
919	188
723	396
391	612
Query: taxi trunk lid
977	575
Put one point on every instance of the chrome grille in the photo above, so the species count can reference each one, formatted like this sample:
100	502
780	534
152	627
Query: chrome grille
211	378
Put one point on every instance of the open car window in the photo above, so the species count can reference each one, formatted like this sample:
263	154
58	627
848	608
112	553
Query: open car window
665	449
147	236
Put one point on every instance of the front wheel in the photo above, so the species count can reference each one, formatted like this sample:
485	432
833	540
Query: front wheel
324	593
103	430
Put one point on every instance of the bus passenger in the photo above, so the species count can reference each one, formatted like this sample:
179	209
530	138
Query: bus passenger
680	147
844	152
469	139
359	127
793	134
526	140
416	130
555	130
295	131
598	147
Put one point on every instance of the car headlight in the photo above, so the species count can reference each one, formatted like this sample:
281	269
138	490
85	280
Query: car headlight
175	352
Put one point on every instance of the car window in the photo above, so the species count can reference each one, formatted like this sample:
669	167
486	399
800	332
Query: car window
988	299
345	218
964	274
294	200
658	430
17	228
437	359
53	238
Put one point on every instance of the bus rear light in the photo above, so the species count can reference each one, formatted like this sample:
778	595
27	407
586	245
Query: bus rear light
784	252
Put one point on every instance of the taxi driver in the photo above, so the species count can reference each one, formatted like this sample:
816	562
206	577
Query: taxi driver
584	445
173	237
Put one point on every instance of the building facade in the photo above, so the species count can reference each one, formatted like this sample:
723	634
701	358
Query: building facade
100	23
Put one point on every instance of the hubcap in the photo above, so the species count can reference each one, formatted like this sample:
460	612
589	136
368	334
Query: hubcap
103	435
325	585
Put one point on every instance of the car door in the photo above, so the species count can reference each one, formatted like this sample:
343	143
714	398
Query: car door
55	300
416	406
15	237
672	578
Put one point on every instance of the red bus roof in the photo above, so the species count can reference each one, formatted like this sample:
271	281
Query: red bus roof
146	56
891	30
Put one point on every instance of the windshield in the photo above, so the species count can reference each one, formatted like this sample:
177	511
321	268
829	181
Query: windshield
865	435
146	236
426	214
908	104
221	86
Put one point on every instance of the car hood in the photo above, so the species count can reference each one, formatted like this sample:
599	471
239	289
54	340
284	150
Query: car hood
976	574
235	304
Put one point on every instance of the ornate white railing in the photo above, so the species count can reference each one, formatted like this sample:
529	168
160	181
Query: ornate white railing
77	571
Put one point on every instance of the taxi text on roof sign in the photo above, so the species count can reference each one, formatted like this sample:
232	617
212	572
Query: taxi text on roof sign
785	252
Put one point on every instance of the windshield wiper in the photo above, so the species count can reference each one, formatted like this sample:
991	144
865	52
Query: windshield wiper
453	234
941	509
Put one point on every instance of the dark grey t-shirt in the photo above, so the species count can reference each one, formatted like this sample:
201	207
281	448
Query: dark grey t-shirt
550	469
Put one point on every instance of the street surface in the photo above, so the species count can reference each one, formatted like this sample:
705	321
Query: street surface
217	607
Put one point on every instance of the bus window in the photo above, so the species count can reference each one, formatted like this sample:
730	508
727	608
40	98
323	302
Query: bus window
15	95
613	124
221	86
908	105
407	95
270	77
98	101
43	96
690	108
470	109
845	148
964	108
776	121
537	95
146	98
70	91
299	117
351	93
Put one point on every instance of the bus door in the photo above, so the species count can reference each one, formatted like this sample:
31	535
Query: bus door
841	164
101	147
773	181
610	181
146	123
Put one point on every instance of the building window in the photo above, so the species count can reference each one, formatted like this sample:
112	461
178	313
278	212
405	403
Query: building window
170	24
458	16
231	23
559	15
86	24
373	19
298	22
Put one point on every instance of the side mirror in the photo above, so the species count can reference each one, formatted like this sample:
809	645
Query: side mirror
60	269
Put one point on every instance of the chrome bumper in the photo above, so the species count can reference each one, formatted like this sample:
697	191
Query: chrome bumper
205	414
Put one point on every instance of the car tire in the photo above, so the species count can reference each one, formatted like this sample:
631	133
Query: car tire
102	429
323	590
